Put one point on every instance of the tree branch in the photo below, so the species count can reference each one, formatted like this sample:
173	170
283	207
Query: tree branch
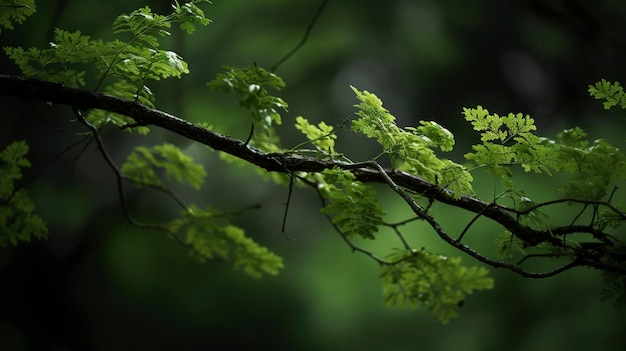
36	90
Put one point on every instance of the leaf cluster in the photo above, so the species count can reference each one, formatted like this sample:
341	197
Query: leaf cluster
15	11
18	221
121	68
507	141
321	136
611	92
250	86
211	237
438	282
208	234
143	164
411	149
352	206
594	166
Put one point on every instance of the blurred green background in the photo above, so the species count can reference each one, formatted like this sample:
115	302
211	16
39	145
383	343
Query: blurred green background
100	284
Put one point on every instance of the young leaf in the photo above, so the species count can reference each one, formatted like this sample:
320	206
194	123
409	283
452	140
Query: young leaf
189	13
411	149
507	141
322	135
612	94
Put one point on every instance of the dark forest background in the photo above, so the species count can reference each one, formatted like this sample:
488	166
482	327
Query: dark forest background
100	284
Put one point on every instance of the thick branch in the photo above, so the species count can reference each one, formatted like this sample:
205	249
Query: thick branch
36	90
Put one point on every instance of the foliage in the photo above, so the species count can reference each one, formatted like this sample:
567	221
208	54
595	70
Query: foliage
211	237
507	245
418	175
18	222
411	149
125	65
612	93
593	167
509	141
141	166
250	85
352	205
322	135
15	11
498	131
436	281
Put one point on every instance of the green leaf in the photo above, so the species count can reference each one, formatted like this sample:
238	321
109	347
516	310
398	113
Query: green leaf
188	14
352	206
437	136
411	149
54	64
15	11
212	238
507	245
18	222
125	66
615	288
142	165
438	282
507	141
13	159
593	165
612	94
143	24
322	135
250	86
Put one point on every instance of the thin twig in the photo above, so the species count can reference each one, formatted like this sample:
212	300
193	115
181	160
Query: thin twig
110	162
319	11
443	235
287	203
352	247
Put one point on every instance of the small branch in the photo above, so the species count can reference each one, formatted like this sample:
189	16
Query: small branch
536	255
457	244
283	229
353	247
162	189
471	222
309	28
574	200
109	161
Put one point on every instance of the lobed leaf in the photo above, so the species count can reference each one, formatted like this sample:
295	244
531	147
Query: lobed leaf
15	11
188	14
18	222
212	238
142	164
249	85
438	282
411	149
322	135
352	206
612	94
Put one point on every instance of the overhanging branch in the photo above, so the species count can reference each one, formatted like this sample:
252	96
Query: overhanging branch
36	90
